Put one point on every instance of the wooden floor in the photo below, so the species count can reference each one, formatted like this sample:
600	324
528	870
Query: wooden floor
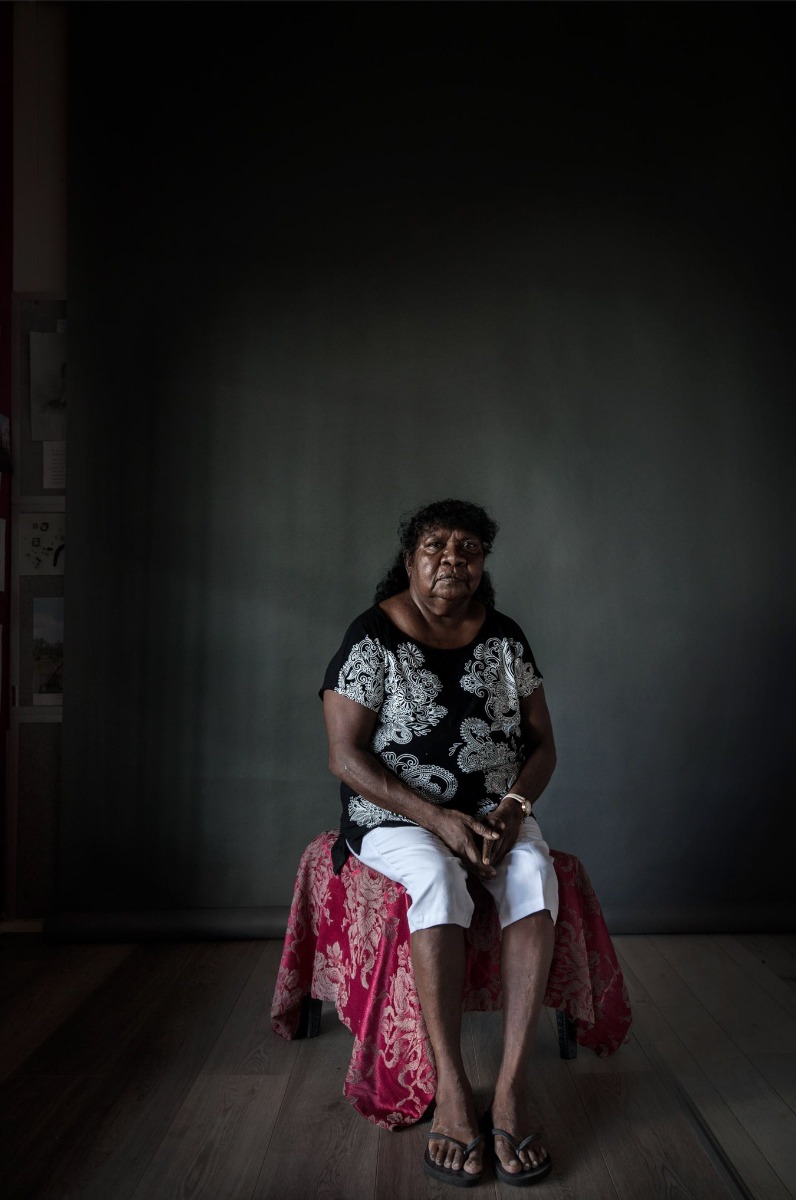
150	1072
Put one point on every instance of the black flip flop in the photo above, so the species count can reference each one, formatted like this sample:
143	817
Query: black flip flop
520	1178
460	1178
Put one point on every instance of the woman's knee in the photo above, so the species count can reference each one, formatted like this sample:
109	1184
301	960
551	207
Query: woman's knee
440	896
528	886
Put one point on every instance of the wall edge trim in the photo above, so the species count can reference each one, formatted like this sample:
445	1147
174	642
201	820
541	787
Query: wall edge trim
271	922
183	924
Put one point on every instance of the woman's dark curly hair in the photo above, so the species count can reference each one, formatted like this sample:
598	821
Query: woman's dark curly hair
446	514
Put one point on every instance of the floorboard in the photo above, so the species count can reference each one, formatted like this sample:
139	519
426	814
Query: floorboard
38	1115
22	957
762	969
771	952
399	1168
97	1038
788	942
247	1045
652	970
756	1022
151	1071
756	1105
143	1035
320	1146
579	1168
110	1136
44	992
779	1070
647	1140
215	1146
728	1134
648	1144
183	1028
635	989
400	1171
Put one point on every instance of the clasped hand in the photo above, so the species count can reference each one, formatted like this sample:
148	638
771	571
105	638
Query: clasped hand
505	820
481	844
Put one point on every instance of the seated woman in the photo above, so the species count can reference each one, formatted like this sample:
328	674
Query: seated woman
439	732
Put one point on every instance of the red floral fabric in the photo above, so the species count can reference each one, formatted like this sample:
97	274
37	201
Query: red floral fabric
347	942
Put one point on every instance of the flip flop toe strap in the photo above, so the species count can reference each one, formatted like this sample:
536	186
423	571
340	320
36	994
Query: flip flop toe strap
448	1138
516	1146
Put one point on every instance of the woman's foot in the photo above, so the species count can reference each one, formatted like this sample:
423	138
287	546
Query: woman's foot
510	1111
455	1116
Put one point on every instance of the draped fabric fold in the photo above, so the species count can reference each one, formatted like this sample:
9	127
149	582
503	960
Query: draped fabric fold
348	942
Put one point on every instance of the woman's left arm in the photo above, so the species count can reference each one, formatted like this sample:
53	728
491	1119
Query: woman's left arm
540	762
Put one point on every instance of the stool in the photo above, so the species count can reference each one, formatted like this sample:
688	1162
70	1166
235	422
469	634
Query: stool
347	942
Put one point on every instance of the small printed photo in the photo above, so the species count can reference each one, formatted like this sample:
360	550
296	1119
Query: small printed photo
48	649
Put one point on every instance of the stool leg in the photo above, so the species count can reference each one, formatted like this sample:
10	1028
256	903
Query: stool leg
309	1025
567	1042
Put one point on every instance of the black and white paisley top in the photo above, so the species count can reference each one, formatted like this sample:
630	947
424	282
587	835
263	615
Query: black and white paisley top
449	720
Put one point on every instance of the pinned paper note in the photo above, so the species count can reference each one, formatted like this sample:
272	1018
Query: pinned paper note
48	387
41	543
54	465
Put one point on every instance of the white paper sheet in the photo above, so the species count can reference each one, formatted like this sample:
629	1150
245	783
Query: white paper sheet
48	387
54	464
41	543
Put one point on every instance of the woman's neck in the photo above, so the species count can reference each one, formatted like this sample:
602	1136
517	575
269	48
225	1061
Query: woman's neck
447	625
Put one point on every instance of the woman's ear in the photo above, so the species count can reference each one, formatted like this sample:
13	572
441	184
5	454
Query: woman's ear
408	561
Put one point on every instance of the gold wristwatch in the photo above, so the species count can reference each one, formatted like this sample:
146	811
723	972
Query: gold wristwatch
525	805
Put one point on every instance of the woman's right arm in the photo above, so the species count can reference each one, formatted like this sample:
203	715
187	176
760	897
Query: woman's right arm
349	729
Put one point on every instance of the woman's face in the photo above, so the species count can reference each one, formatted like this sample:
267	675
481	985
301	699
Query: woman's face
447	564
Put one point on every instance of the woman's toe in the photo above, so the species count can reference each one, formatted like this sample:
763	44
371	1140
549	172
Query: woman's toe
473	1164
508	1161
445	1154
533	1158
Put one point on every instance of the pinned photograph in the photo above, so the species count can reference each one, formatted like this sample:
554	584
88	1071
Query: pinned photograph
48	649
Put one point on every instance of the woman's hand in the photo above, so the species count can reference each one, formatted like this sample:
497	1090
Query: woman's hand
465	836
505	820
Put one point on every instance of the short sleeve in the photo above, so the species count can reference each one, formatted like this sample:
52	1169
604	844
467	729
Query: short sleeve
357	669
527	676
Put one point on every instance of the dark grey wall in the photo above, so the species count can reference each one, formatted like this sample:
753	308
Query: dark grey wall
329	262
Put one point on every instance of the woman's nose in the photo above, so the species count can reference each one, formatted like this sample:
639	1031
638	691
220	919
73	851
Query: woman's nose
453	552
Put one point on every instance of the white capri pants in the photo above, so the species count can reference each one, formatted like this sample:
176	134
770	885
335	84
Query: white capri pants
436	879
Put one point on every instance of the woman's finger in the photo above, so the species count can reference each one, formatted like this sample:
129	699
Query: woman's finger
484	831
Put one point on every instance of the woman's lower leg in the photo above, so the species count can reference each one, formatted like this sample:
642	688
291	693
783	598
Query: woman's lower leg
438	963
526	955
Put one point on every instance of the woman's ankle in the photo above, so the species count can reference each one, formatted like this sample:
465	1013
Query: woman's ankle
510	1093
